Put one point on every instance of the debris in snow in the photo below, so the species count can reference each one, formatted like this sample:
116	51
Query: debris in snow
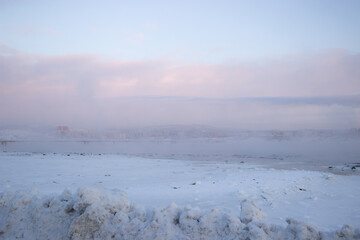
196	183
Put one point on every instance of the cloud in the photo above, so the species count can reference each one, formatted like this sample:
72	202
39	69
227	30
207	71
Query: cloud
94	30
151	26
31	29
319	90
134	37
6	50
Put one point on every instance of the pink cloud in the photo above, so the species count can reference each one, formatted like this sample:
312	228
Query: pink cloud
94	29
85	89
318	75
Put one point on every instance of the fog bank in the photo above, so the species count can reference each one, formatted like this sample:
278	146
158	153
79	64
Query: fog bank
314	91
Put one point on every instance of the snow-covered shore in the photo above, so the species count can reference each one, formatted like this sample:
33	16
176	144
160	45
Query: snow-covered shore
213	196
98	214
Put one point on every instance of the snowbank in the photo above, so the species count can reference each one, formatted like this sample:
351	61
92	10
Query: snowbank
102	214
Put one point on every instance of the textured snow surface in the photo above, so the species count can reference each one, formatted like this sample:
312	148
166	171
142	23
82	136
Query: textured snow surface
94	213
170	199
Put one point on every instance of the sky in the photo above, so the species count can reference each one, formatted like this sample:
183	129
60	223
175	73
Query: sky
240	64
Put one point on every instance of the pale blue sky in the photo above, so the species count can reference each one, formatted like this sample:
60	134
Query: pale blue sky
200	31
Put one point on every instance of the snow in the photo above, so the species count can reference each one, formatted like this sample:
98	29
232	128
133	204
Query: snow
100	214
124	197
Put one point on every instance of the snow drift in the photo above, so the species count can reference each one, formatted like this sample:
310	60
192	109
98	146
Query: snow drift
92	213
